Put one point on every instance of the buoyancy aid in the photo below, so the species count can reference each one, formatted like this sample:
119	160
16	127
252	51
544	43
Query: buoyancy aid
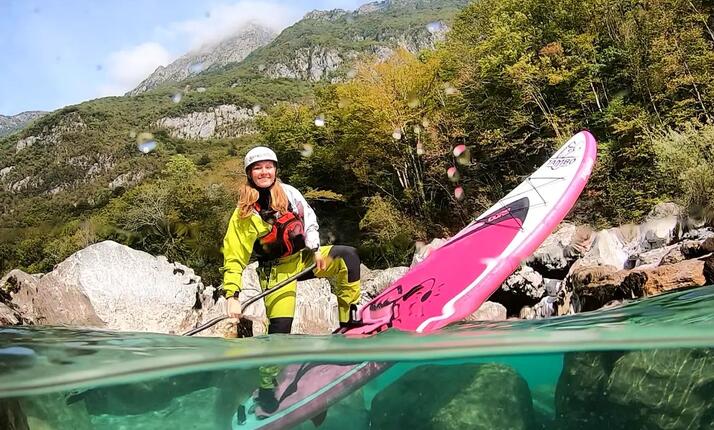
286	237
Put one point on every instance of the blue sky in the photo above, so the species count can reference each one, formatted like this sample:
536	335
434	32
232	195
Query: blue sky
60	52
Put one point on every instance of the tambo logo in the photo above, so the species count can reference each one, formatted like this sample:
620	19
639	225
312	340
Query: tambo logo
557	163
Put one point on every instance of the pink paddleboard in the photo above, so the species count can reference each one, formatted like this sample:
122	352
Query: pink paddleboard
450	284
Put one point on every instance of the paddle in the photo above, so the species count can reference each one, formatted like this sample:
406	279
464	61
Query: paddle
251	300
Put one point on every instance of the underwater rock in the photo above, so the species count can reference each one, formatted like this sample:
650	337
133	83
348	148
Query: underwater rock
207	400
468	396
652	389
580	395
11	415
50	411
663	389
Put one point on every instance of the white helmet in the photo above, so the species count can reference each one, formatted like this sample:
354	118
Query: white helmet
259	153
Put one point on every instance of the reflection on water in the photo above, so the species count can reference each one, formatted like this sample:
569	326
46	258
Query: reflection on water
645	365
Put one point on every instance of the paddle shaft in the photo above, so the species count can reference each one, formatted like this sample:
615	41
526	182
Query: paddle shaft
251	300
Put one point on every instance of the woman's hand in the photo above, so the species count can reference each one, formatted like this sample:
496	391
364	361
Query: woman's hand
320	262
233	307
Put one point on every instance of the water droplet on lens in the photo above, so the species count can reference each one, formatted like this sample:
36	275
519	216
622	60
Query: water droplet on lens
307	150
463	155
145	142
450	90
147	146
434	27
459	193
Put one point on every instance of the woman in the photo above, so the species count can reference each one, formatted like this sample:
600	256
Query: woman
274	223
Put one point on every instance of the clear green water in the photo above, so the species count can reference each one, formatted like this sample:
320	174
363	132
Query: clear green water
648	364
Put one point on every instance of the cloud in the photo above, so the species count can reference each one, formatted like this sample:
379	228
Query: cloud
222	21
126	68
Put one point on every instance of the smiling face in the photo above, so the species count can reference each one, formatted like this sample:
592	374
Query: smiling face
262	173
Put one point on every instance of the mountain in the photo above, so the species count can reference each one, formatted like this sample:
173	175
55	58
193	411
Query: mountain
323	45
231	50
76	162
11	124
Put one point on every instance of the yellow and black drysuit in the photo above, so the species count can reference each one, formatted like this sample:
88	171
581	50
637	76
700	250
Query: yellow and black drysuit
246	237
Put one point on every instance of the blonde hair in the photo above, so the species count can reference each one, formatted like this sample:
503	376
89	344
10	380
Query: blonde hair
248	196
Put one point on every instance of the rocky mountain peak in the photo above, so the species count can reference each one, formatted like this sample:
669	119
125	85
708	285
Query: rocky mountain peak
326	15
230	50
10	124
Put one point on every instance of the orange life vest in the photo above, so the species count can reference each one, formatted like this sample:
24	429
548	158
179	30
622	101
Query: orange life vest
285	238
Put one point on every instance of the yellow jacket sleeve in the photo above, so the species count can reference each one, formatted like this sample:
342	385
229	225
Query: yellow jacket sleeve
238	247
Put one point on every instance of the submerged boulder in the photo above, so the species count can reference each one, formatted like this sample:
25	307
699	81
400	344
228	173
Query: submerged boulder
581	392
653	389
468	396
11	415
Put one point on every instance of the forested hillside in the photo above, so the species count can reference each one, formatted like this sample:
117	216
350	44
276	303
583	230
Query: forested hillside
372	141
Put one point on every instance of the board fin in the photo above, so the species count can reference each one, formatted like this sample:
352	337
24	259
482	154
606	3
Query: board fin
318	419
241	415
